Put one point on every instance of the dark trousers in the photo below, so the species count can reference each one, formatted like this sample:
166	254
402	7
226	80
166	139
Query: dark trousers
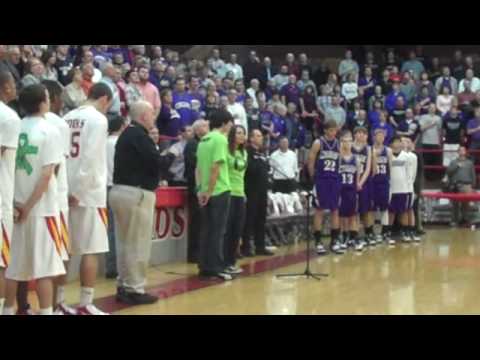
430	159
174	183
235	225
475	146
111	256
256	218
197	227
284	186
211	259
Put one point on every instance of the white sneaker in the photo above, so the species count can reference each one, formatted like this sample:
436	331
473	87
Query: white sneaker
90	309
233	270
415	237
321	249
359	246
391	242
63	309
271	248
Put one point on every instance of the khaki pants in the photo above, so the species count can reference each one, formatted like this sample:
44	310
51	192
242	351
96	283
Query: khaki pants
133	210
460	210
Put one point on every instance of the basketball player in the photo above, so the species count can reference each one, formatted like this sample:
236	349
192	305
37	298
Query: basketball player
323	168
399	188
350	177
363	153
87	185
408	148
9	130
52	117
36	243
381	160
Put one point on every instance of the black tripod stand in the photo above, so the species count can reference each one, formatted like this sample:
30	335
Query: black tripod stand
308	273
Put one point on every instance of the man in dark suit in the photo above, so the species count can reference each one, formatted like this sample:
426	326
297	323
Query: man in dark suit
253	68
9	59
268	72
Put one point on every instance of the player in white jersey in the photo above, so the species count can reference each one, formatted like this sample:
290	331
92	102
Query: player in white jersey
35	249
87	184
399	187
408	147
56	105
9	131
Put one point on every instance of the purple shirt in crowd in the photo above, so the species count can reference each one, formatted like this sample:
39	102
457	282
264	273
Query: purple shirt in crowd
472	124
182	102
291	93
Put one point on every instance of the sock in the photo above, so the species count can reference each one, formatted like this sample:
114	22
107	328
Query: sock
86	296
2	301
8	310
386	229
46	311
369	230
318	236
385	218
60	295
344	235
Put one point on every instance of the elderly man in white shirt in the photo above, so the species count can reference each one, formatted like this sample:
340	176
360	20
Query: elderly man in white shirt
284	163
237	110
234	67
252	91
474	82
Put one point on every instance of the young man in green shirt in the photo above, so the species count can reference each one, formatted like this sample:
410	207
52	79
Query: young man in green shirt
214	194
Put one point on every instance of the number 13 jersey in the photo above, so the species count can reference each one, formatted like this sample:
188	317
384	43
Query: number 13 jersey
87	161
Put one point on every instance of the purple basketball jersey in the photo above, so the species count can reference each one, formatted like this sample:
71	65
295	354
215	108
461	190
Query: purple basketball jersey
327	178
348	193
365	196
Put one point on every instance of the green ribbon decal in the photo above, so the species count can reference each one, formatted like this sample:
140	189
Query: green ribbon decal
24	149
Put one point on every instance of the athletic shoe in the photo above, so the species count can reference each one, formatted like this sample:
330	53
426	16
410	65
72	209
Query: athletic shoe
136	298
405	237
337	248
359	246
27	311
233	270
90	309
371	239
63	309
390	240
321	249
380	238
271	248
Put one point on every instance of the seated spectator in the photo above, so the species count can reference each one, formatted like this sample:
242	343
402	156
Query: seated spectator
74	95
132	92
348	66
305	81
234	67
177	169
453	133
367	84
281	79
350	91
308	107
237	110
377	96
49	59
408	87
409	126
385	83
290	93
148	90
412	64
35	73
320	77
87	77
446	80
445	101
385	126
424	99
391	99
253	90
431	127
461	174
168	121
425	82
336	113
474	82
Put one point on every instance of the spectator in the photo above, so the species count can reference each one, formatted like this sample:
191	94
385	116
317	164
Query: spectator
350	91
177	169
413	64
360	121
268	72
279	125
453	133
35	72
284	164
237	110
370	63
290	93
387	128
253	114
431	127
122	87
425	82
157	53
391	60
108	72
157	74
290	119
196	218
435	71
398	113
89	59
74	95
473	131
445	101
353	114
253	68
237	165
293	68
446	80
101	54
391	99
281	79
469	64
458	67
336	113
309	107
377	96
408	88
195	91
241	94
474	82
253	90
12	62
409	126
395	76
374	114
234	67
348	66
324	101
367	84
305	81
320	77
211	104
168	122
462	176
332	83
216	64
303	64
87	77
63	64
298	135
49	58
270	90
132	91
385	82
466	97
424	99
148	90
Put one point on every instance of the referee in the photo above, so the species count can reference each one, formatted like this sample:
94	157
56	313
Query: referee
137	169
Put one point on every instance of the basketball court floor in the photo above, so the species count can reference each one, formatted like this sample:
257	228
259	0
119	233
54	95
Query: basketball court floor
441	275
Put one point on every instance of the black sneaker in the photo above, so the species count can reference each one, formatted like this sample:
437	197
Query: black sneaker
111	275
136	298
215	276
264	252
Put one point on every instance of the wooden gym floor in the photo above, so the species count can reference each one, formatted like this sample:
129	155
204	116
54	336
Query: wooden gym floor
438	276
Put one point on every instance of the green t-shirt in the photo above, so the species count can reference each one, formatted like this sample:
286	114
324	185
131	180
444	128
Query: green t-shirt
213	148
237	165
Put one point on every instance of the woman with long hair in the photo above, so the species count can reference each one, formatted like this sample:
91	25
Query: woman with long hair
49	58
237	165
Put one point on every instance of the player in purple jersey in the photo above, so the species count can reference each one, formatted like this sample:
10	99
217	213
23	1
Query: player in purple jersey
323	168
363	153
349	171
381	165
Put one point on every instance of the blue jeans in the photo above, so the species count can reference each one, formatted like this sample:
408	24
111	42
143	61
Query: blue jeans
111	256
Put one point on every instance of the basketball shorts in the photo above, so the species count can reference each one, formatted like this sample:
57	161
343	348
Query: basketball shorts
348	202
381	196
88	230
6	239
327	194
365	198
399	203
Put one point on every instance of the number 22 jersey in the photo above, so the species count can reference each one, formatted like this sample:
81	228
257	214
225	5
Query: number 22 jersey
87	161
328	160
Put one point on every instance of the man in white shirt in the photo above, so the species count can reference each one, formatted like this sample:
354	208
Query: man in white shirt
10	130
237	110
234	67
252	91
216	64
87	183
177	169
281	79
474	82
284	163
36	245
